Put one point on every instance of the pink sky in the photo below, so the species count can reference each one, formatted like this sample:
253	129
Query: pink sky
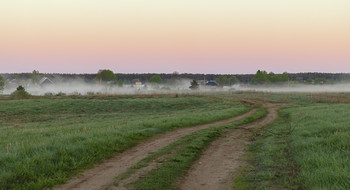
188	36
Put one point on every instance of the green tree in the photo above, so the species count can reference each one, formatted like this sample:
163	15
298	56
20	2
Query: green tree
222	80
156	79
2	83
285	77
106	75
194	85
260	77
20	93
35	76
233	80
272	77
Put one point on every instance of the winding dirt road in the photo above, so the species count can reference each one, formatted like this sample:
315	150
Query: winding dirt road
102	176
221	162
215	169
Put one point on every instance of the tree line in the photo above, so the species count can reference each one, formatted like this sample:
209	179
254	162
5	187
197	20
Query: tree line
260	77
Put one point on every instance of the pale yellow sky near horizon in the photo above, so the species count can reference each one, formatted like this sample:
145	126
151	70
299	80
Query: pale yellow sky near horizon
188	28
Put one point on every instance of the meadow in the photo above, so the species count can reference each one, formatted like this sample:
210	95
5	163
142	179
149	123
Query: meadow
44	141
307	147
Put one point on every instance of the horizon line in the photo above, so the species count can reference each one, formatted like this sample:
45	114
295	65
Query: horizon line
180	73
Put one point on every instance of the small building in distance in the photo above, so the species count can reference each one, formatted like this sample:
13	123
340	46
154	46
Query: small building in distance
45	81
136	82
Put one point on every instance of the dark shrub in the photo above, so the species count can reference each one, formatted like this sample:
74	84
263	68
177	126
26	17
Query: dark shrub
20	93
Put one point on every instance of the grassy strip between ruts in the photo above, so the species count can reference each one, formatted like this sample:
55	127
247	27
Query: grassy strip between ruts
182	154
45	141
307	147
271	165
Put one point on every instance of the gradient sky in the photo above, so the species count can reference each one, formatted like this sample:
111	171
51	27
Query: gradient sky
163	36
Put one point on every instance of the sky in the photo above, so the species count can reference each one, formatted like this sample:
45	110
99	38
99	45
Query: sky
163	36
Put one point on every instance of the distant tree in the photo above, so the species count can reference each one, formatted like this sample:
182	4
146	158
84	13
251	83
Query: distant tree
175	74
125	81
320	81
233	80
285	77
309	80
156	79
20	87
260	77
2	83
174	78
20	93
272	77
222	80
194	85
120	82
106	75
35	76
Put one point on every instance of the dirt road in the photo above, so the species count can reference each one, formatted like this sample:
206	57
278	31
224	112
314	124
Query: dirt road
103	175
221	162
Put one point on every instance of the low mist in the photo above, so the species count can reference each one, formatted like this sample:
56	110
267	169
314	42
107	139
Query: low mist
341	87
181	87
83	88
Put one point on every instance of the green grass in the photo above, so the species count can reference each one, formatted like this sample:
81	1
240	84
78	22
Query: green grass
294	97
166	176
180	155
308	147
45	141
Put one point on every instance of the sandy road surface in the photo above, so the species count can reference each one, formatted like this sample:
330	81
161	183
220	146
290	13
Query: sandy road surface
103	175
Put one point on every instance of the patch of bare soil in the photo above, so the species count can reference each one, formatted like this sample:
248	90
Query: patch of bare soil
102	176
221	162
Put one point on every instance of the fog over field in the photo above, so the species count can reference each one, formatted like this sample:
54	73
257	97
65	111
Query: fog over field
82	88
342	87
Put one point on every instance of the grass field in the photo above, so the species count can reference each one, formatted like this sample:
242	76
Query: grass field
45	141
295	97
308	147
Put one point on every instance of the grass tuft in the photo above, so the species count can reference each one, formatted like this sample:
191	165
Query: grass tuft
306	148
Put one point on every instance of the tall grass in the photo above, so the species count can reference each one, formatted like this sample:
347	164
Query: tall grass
45	141
295	97
307	148
321	146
